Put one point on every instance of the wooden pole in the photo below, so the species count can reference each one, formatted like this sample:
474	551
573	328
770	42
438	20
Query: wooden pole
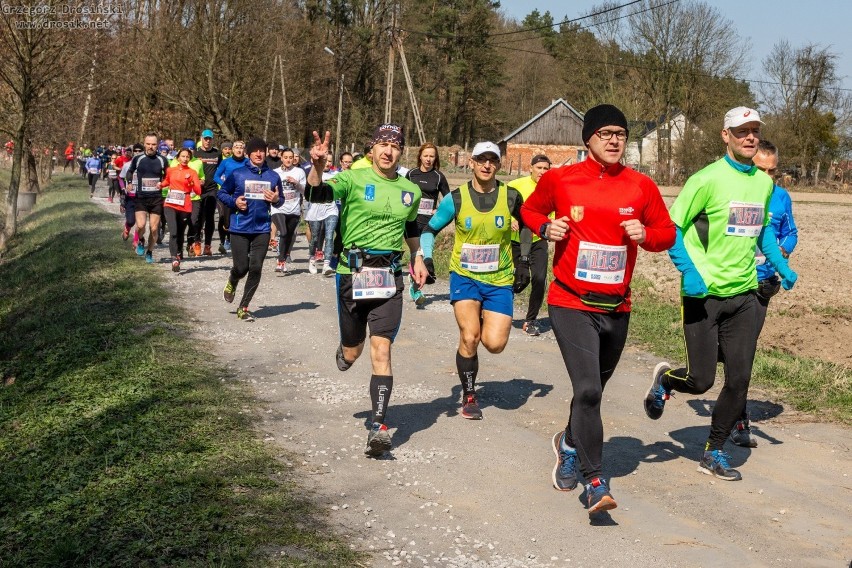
269	105
284	97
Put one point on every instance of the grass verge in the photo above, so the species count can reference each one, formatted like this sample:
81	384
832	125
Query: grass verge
810	385
119	443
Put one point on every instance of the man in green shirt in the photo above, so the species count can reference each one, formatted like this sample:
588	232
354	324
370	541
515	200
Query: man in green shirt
378	209
720	216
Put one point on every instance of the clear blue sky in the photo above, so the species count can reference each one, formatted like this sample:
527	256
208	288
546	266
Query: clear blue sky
824	22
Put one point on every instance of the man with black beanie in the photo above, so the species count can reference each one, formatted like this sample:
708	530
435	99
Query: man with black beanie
603	213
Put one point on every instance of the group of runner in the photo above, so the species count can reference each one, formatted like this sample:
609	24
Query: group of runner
596	212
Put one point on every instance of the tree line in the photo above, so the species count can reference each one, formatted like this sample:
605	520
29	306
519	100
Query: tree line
180	66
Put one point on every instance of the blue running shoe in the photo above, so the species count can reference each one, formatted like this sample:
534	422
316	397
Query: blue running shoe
140	247
416	294
715	463
565	470
599	497
378	440
655	399
227	245
149	258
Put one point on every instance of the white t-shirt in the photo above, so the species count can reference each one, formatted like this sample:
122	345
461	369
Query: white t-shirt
321	211
292	204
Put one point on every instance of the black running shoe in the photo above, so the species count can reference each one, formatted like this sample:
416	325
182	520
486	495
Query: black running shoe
741	435
378	440
715	463
342	363
655	399
565	470
470	409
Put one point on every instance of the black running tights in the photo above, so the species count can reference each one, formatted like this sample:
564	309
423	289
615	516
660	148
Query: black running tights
248	252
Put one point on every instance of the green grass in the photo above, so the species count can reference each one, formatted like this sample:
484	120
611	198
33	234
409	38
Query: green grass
121	444
810	385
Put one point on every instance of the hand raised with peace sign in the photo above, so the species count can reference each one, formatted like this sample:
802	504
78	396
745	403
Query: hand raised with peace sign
320	149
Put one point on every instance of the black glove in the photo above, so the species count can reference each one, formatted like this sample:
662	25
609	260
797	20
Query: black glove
430	267
522	275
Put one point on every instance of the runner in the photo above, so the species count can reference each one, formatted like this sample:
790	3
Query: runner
249	192
193	241
70	157
603	213
378	210
180	181
227	150
128	195
93	169
210	159
287	216
273	162
537	260
226	168
720	215
482	277
345	161
322	221
433	186
768	284
146	172
112	176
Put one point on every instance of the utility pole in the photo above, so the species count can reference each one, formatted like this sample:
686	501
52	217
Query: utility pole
389	76
414	109
338	143
269	104
284	96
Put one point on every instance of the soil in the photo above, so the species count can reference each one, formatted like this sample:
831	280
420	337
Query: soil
464	493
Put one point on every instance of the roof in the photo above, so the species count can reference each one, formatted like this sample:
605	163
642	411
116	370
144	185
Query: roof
526	125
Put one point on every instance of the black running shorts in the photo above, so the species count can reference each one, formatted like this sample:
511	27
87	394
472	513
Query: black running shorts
383	316
153	205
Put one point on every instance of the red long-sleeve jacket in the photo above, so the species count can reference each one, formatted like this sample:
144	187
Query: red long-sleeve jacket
185	179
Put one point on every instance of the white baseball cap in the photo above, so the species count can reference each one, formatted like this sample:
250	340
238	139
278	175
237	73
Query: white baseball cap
484	148
741	115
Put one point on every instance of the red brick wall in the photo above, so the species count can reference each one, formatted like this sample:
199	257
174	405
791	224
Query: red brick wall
519	156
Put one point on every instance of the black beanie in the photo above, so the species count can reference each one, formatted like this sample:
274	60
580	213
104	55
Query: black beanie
600	116
255	144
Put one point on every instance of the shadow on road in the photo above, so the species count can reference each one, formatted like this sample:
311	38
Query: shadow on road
271	311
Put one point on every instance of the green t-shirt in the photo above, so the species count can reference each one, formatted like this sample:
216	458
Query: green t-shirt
721	212
374	209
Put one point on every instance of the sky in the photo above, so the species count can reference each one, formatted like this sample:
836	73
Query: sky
823	22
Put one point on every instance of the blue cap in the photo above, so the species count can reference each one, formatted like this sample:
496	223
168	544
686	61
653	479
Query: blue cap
162	147
188	144
207	134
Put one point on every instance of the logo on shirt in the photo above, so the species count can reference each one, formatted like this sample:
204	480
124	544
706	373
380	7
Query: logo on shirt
407	198
625	211
577	213
468	223
370	193
499	220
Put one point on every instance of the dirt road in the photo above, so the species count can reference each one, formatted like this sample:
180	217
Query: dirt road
477	494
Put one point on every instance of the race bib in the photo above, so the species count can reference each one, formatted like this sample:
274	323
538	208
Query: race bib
427	206
93	170
289	194
149	185
744	219
603	264
112	174
480	258
176	197
373	284
254	189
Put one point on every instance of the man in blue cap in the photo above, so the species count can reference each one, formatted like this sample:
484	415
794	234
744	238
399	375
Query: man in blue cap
210	157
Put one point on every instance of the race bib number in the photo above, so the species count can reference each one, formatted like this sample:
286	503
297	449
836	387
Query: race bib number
427	206
254	189
176	197
112	174
289	191
603	264
373	284
744	219
480	258
93	170
149	185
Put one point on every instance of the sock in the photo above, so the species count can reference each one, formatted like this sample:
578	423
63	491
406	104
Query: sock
567	443
380	392
468	367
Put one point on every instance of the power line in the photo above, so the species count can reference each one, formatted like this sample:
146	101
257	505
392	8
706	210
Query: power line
684	72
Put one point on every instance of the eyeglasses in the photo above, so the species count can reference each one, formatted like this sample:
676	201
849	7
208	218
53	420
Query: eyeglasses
608	134
482	160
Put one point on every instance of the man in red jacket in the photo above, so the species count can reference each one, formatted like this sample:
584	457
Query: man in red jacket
603	213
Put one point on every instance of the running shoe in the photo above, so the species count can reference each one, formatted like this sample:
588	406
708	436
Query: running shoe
149	257
244	314
342	363
470	409
273	244
135	238
715	463
378	440
741	435
230	292
208	251
140	247
190	250
175	265
312	265
416	294
599	497
109	199
531	328
125	234
281	266
196	249
227	245
655	399
289	259
327	270
320	255
565	470
222	249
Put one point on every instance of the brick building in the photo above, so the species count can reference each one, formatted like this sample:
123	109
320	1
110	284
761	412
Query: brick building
557	131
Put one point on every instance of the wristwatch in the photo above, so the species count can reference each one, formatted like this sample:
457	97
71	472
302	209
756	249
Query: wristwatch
542	231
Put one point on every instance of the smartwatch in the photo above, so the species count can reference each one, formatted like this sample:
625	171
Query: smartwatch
542	231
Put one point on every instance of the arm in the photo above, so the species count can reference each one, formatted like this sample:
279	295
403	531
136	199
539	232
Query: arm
692	282
219	176
443	216
226	192
318	154
196	183
516	201
766	241
788	233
